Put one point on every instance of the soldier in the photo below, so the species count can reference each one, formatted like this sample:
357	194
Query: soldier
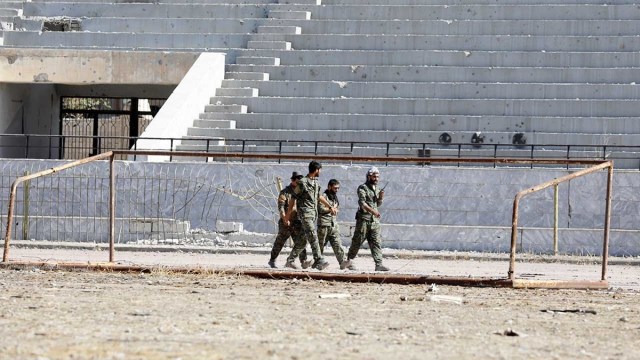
367	221
288	225
307	196
328	229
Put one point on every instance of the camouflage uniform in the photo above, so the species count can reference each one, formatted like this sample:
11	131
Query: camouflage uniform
284	232
307	193
328	229
367	225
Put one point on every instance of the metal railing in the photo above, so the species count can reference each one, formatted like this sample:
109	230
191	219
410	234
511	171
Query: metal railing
595	165
76	147
607	221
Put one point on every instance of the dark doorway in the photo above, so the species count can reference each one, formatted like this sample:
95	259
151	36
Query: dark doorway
92	125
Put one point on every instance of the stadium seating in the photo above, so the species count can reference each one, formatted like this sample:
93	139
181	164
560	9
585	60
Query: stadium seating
536	72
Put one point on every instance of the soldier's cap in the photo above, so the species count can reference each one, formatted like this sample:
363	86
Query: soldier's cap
373	170
296	176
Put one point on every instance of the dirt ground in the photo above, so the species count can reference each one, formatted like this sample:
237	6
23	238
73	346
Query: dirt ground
163	315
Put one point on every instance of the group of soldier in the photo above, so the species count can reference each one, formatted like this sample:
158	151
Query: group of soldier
303	208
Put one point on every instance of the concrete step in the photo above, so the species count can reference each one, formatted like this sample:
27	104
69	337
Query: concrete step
246	75
231	108
170	25
301	2
469	27
8	13
437	90
240	91
264	29
496	11
451	58
257	60
467	2
117	47
628	11
174	2
415	137
149	10
69	39
471	123
500	107
443	73
388	27
216	124
290	15
271	45
457	42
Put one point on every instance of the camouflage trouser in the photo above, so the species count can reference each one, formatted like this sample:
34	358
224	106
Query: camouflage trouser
331	235
284	233
308	235
370	231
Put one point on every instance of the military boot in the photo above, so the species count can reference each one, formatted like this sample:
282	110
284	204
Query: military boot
381	267
321	265
291	265
306	264
272	264
347	264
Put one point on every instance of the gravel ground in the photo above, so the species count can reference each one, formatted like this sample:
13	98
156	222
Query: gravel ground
163	315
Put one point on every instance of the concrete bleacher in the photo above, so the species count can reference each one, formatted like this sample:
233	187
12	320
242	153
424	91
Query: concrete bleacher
559	72
347	77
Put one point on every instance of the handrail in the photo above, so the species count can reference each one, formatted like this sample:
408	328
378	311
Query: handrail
596	147
67	144
516	202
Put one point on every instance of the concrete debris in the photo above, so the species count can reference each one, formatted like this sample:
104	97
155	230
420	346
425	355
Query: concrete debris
575	311
334	296
446	299
341	84
507	332
229	226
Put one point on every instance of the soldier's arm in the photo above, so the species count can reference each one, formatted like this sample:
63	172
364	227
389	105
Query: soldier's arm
326	203
362	201
292	205
380	198
282	209
322	208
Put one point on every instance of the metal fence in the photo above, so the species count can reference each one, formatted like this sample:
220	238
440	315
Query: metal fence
103	201
78	146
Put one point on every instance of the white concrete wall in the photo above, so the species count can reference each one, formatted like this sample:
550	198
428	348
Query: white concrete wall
29	109
185	103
